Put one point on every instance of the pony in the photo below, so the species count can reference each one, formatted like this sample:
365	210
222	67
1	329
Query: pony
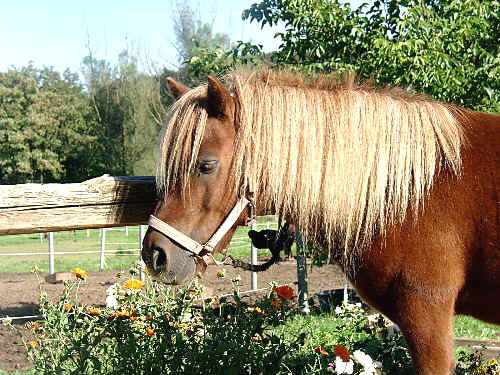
400	190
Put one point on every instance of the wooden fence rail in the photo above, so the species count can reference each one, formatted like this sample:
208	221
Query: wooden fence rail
98	203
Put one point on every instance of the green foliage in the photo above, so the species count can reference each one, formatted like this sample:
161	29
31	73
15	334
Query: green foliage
46	126
129	112
154	329
446	49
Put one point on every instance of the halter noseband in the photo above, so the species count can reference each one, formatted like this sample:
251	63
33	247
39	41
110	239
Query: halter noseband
195	247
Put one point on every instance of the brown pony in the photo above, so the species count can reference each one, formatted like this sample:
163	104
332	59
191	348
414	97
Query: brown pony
402	191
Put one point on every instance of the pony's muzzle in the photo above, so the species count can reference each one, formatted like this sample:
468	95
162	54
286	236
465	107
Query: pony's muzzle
166	261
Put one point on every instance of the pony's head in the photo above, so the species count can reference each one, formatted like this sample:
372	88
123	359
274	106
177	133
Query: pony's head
193	174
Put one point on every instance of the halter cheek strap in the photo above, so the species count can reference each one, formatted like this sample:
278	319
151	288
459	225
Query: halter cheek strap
194	246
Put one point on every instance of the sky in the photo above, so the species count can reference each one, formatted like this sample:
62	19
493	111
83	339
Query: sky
57	33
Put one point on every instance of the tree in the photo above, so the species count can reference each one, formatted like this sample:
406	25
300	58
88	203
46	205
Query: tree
128	109
45	126
448	48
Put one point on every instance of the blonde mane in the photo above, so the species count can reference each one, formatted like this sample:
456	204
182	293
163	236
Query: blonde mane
343	161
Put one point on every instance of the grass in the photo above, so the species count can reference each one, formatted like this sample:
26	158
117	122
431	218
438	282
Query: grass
465	326
90	240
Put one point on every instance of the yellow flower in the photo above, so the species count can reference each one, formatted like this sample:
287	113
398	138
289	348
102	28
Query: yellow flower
119	314
33	326
255	309
95	311
174	324
133	284
67	307
78	272
194	293
134	318
149	332
32	344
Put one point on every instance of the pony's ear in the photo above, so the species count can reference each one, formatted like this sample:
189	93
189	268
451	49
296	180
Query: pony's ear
177	89
220	102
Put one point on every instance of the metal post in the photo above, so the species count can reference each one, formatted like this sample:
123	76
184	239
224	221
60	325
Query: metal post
88	233
41	238
254	258
103	246
51	253
346	296
126	231
302	275
142	233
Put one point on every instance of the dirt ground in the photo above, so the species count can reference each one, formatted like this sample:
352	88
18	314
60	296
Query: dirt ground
19	296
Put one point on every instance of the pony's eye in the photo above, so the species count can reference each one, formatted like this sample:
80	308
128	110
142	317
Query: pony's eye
208	167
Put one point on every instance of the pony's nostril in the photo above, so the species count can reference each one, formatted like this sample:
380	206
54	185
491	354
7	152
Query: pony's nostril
159	259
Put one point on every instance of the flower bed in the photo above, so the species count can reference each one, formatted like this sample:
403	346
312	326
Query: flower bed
152	329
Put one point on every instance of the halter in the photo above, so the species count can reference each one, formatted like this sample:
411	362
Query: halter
196	248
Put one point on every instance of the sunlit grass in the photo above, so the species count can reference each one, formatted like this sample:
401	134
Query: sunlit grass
90	240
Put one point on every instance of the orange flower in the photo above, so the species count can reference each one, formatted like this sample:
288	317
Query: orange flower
284	291
342	352
149	316
32	344
194	292
33	325
95	311
276	303
149	332
119	314
221	273
67	307
78	272
133	284
321	350
134	318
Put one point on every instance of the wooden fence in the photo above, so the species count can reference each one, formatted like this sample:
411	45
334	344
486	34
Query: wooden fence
98	203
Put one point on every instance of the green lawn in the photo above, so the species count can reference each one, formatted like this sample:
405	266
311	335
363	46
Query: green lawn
83	240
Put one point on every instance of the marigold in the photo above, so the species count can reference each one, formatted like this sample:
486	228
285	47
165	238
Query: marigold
133	284
134	318
95	311
149	331
321	350
67	307
221	274
284	291
33	326
149	316
78	272
342	352
119	314
276	303
255	309
32	344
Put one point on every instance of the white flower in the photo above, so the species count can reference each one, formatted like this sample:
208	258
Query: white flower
111	301
6	321
366	361
111	293
342	367
339	310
